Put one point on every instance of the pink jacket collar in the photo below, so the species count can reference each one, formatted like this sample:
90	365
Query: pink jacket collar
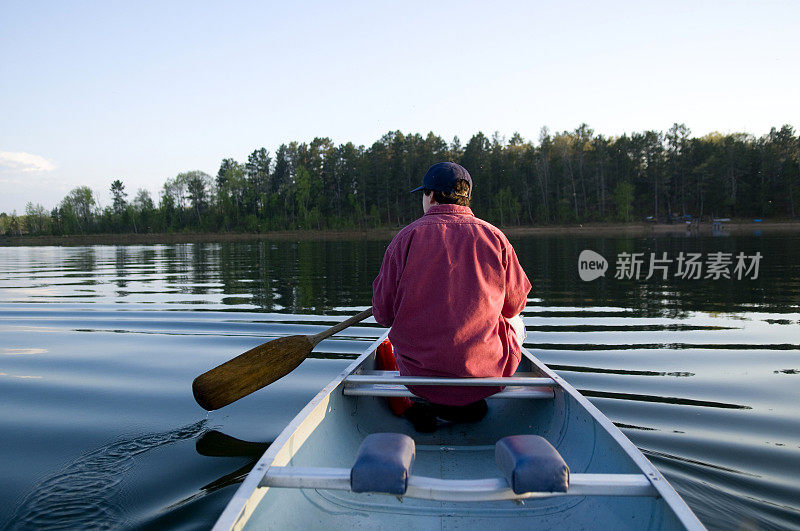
449	209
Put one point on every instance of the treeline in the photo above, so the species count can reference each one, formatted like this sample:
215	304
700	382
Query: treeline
569	177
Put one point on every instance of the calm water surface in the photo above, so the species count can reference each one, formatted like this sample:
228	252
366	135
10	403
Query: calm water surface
99	346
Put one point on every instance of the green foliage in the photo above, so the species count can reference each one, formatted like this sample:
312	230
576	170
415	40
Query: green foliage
118	195
374	219
77	210
14	227
623	201
506	207
37	219
568	177
197	189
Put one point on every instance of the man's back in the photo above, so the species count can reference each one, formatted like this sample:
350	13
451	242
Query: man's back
448	284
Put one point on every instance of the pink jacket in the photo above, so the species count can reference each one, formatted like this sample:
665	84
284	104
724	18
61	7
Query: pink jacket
447	285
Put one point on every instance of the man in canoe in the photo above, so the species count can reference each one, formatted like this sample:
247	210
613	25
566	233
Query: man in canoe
451	287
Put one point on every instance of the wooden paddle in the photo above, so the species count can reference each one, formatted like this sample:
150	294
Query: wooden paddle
259	366
214	443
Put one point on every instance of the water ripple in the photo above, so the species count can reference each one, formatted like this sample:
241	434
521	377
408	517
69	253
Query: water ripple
83	495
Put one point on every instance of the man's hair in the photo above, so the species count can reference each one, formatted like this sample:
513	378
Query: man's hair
460	195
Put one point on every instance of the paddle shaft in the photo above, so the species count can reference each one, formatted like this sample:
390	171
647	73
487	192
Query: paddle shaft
357	318
259	366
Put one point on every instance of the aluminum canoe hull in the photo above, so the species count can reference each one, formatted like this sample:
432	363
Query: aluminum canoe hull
328	431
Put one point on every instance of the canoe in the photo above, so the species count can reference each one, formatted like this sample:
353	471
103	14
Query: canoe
460	475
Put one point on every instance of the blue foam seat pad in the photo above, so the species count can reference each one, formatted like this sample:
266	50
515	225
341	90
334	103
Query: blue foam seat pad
531	464
383	464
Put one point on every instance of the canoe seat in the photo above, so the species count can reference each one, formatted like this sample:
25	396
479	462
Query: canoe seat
383	463
531	464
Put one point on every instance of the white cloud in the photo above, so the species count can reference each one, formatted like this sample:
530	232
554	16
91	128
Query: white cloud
24	162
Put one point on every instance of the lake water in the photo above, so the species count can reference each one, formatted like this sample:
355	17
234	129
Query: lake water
99	346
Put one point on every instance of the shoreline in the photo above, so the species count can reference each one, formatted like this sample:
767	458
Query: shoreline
638	229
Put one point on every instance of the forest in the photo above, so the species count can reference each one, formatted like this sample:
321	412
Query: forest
563	178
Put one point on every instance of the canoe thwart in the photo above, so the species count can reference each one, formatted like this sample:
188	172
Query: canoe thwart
462	490
383	463
390	390
394	378
531	464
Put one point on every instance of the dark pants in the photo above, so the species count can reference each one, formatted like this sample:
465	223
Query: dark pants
469	413
423	414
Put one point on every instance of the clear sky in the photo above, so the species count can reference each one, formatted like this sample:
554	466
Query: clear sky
92	91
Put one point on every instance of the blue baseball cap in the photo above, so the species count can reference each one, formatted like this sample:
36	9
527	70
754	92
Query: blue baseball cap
442	177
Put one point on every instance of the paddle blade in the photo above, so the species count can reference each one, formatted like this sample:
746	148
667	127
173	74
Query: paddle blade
250	371
217	444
